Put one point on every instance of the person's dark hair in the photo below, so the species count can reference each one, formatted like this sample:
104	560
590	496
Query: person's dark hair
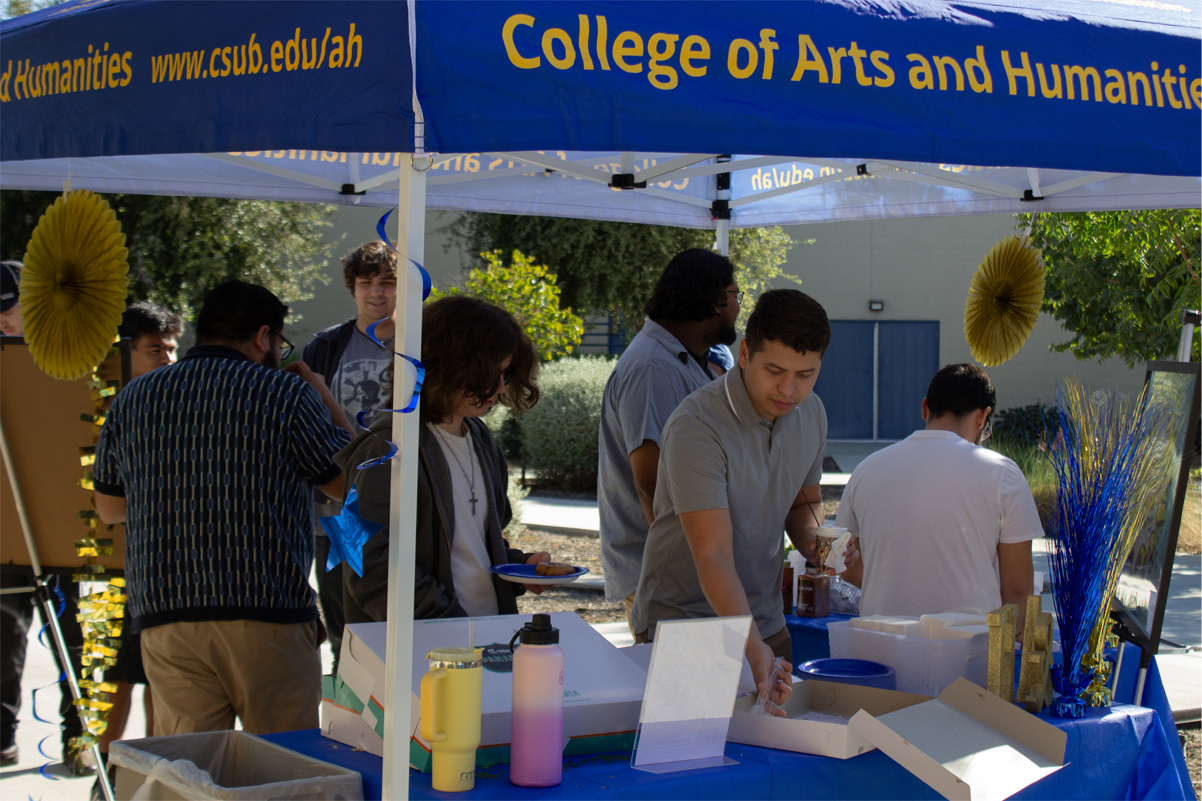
791	317
691	286
960	389
367	260
140	319
464	340
234	312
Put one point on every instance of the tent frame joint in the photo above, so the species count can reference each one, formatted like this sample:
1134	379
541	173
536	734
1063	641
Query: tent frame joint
625	180
1030	197
349	189
720	210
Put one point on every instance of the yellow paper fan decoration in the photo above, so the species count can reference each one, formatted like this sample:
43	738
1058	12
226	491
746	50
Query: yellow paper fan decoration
74	285
1004	301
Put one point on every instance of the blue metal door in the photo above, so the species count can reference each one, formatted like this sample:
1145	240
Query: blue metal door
907	357
874	376
846	381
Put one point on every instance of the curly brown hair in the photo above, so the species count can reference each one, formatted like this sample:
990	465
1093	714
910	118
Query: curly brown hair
367	260
464	341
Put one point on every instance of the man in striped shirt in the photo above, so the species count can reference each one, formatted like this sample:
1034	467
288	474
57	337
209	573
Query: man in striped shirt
211	462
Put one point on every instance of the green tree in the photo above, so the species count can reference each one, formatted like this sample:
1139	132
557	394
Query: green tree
613	266
528	292
1120	281
181	247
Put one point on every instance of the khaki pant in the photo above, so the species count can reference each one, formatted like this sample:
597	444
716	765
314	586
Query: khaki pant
203	675
780	643
629	604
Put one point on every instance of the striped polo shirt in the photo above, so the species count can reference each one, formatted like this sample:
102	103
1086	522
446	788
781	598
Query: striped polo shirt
217	457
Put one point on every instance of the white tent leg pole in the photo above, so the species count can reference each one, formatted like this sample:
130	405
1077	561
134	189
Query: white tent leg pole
410	241
722	238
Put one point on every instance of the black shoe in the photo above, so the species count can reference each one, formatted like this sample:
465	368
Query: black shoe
9	756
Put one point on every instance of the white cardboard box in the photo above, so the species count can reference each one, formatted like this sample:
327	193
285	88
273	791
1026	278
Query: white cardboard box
824	738
603	689
967	744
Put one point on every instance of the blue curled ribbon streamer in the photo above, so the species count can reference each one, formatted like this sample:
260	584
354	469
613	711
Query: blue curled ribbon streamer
347	531
382	231
62	676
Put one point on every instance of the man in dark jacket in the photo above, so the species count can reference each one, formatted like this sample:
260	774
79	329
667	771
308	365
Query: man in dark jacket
356	371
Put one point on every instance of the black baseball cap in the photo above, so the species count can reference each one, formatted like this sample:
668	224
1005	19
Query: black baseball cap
10	284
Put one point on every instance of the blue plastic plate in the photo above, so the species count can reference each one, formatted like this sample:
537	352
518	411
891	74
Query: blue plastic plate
524	574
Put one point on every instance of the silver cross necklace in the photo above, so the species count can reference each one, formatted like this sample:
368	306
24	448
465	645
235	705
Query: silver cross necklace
471	481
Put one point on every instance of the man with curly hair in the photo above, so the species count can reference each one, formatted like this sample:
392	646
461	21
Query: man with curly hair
355	369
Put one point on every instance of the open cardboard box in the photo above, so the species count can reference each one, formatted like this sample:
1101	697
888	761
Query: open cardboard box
824	738
967	744
603	689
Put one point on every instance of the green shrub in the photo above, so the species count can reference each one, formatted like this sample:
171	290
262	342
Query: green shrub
559	435
1025	425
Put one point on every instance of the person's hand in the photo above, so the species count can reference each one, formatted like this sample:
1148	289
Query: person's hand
301	369
761	658
534	559
852	554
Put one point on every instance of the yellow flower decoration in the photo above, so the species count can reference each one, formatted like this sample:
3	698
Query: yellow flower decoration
1004	301
74	285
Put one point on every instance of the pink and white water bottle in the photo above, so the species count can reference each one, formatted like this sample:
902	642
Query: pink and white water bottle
536	740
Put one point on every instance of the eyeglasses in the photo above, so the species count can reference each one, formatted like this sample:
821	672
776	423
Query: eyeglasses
285	346
738	293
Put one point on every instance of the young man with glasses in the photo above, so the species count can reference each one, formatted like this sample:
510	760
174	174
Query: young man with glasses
944	524
211	463
693	307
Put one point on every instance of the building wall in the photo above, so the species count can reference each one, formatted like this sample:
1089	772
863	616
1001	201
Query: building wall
921	268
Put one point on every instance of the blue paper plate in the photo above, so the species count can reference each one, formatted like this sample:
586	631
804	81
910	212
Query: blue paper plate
850	671
524	574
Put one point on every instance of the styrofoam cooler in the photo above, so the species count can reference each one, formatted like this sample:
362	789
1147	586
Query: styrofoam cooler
923	666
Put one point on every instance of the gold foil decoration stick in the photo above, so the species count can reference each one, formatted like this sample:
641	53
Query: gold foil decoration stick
1000	678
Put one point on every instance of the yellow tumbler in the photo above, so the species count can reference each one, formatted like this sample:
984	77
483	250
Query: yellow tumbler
450	716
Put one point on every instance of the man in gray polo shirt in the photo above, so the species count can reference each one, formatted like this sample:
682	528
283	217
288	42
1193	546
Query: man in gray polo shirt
740	460
693	307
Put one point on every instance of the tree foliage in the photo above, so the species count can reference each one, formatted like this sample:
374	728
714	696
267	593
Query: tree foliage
181	247
612	266
528	291
1120	281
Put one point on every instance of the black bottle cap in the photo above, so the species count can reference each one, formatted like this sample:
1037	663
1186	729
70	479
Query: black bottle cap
538	631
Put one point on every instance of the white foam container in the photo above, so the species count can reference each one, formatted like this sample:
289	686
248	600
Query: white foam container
923	666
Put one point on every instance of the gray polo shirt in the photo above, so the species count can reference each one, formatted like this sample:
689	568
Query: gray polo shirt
718	453
654	375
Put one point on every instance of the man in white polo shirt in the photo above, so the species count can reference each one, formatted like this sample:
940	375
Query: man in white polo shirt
944	525
740	461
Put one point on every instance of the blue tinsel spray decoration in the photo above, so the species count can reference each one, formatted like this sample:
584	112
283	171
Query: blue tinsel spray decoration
1109	459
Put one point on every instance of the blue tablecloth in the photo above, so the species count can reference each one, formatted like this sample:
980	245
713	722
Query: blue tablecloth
1126	751
1119	752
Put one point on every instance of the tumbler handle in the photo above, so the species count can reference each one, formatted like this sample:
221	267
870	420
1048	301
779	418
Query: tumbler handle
430	732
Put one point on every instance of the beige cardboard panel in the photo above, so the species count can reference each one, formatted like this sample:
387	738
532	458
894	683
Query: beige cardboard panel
42	425
824	738
911	757
1014	722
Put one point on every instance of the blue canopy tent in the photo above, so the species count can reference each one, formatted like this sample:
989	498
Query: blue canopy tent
694	113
